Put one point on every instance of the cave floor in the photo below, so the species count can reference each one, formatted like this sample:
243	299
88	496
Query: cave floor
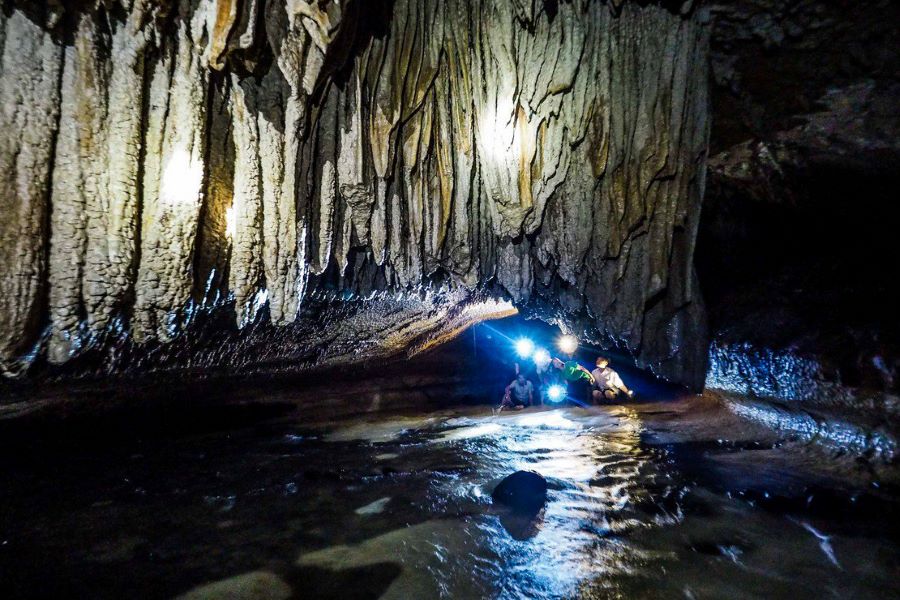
655	499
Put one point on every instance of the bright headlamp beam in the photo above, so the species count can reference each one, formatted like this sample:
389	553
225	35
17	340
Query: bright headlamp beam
541	357
524	347
555	393
568	344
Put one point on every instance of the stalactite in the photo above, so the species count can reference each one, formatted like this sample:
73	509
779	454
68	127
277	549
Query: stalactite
95	194
30	69
552	156
246	267
170	217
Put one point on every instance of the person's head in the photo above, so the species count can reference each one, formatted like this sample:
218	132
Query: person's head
558	363
521	378
602	362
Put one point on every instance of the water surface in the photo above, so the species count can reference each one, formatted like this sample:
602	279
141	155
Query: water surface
641	505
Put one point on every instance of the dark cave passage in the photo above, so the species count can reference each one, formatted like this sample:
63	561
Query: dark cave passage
472	369
817	263
807	276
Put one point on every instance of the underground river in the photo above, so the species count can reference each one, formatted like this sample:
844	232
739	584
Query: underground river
668	498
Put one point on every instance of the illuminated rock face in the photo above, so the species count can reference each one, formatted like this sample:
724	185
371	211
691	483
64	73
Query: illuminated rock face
159	160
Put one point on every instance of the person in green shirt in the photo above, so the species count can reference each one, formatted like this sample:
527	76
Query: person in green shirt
571	371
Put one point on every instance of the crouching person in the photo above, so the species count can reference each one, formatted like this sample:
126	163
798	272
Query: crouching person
518	395
607	384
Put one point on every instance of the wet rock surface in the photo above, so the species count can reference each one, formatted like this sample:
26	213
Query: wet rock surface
796	240
779	67
329	335
800	307
258	585
645	500
468	369
523	491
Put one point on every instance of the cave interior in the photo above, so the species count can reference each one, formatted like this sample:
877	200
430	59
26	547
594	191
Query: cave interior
265	268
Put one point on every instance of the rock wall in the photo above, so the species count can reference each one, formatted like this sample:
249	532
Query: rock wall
162	160
796	245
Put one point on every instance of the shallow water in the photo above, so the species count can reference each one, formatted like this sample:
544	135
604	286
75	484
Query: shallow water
399	507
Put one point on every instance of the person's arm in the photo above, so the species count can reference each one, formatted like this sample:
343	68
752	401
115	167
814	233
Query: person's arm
588	373
621	385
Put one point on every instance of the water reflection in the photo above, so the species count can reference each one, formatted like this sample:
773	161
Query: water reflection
400	508
595	466
522	526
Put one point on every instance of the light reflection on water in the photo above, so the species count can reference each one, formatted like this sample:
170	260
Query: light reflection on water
592	475
400	507
595	468
614	524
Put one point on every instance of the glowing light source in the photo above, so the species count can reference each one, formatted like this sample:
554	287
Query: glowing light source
555	393
181	180
541	357
229	222
524	347
568	344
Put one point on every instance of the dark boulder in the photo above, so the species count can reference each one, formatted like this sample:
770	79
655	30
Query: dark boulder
523	491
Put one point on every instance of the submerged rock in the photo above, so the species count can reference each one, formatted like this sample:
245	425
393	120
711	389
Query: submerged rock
523	491
373	508
257	585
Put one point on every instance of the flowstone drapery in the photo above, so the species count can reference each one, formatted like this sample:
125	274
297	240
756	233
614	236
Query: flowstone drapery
159	160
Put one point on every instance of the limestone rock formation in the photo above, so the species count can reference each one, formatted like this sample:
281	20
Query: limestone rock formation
161	161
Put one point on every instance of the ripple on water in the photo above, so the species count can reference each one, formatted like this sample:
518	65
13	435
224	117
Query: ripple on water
400	508
548	555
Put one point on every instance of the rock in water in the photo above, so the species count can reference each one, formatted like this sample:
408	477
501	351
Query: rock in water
256	585
524	491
